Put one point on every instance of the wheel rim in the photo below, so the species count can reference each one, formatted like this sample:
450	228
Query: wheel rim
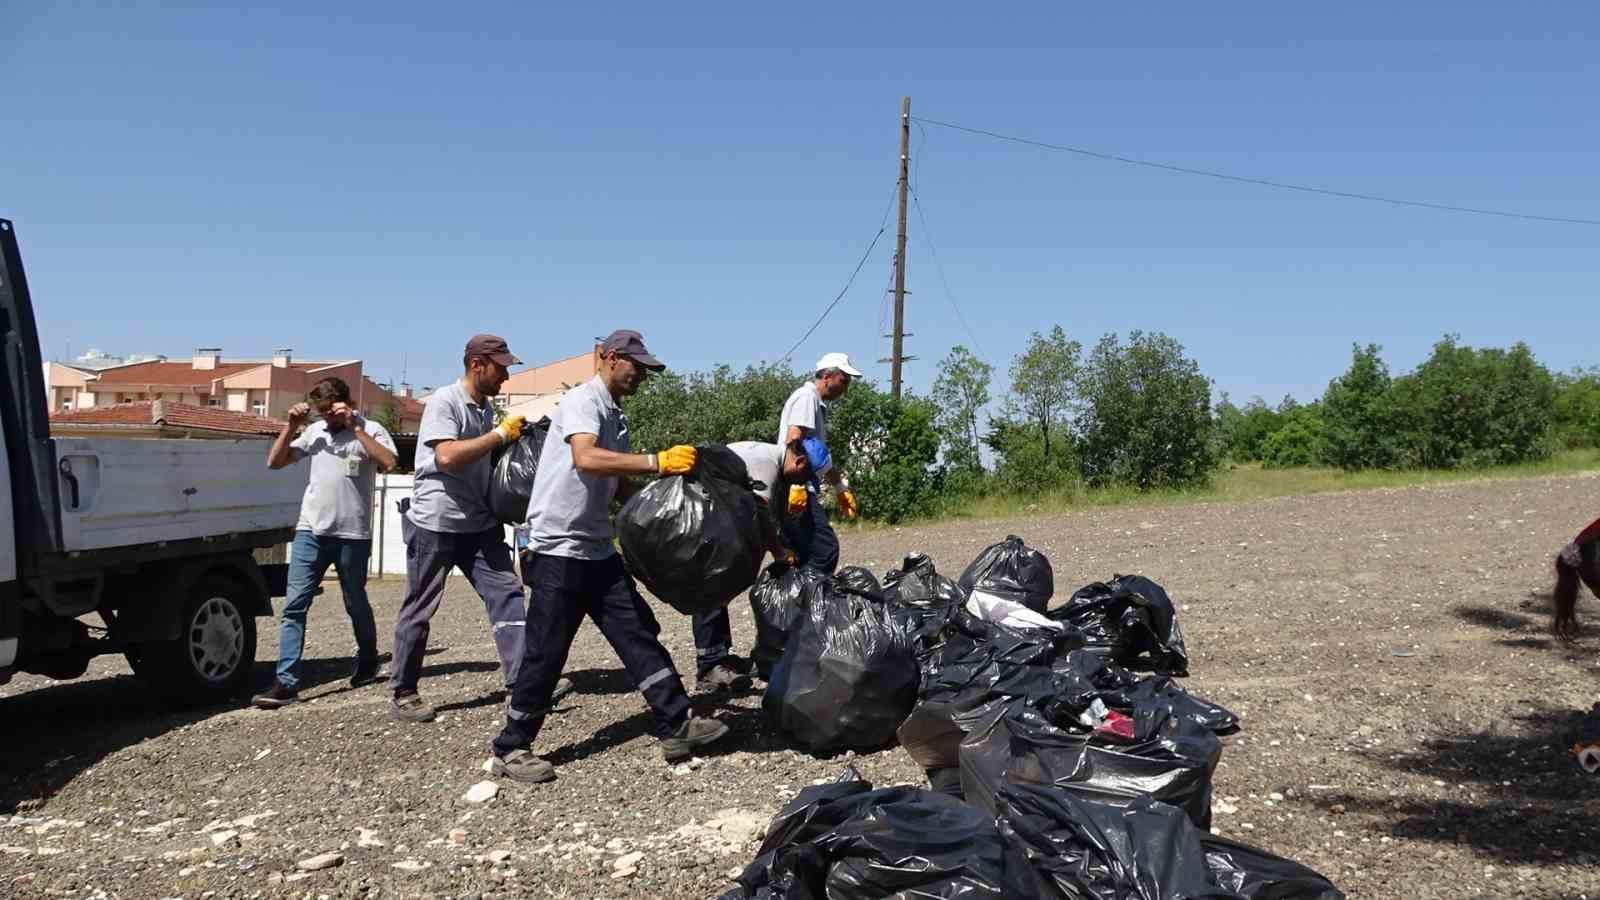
216	639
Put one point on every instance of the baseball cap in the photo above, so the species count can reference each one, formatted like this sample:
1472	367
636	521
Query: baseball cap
836	361
629	343
492	346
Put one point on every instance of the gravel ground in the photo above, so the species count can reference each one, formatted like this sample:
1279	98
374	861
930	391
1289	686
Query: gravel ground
1405	727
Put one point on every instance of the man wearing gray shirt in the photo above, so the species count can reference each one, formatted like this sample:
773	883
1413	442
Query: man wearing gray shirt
803	427
335	527
576	572
449	524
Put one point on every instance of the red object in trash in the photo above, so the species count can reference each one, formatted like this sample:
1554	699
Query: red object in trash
1116	725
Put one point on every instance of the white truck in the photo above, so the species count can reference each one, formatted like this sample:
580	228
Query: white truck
125	545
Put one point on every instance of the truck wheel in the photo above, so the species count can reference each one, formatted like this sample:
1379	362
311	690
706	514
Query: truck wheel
213	654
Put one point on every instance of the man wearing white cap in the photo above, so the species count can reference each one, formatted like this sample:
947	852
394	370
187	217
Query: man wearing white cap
804	427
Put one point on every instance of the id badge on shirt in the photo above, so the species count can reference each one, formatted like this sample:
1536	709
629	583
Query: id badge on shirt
352	466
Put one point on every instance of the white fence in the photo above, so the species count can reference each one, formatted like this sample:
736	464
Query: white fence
388	558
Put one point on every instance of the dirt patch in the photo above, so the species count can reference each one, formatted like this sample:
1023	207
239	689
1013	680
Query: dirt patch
1387	650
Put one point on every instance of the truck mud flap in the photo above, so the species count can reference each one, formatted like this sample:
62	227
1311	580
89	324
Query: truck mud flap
277	579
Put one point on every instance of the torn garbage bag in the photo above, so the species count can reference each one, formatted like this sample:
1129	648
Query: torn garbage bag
1169	757
847	841
774	603
1011	570
514	467
695	540
847	677
1131	620
1062	846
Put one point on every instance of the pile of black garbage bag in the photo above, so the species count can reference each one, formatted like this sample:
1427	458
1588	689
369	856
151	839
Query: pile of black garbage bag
849	841
695	540
1057	768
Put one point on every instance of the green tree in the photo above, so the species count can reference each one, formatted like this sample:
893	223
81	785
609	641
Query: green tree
1297	441
1576	422
960	392
1148	414
1464	407
890	450
1357	414
1044	391
716	407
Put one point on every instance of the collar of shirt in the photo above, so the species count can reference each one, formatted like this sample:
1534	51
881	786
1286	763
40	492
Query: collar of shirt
604	392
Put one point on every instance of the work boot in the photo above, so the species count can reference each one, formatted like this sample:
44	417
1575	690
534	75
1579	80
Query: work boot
723	677
410	707
276	696
522	765
694	732
367	673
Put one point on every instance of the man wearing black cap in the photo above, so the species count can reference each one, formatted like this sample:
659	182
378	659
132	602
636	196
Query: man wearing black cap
585	464
449	523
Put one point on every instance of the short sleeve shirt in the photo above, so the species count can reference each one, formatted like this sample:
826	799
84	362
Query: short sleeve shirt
806	409
569	512
452	502
338	498
764	462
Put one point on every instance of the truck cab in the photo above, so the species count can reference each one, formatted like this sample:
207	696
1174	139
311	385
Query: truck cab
144	547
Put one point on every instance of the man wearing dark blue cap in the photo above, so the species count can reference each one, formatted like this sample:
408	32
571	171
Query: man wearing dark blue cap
585	464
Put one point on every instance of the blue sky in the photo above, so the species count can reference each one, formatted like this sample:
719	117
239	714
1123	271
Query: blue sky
381	181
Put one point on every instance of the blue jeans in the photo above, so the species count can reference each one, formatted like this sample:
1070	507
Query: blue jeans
309	558
812	539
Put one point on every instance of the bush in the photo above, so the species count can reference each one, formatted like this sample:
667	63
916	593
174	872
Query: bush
1297	442
1021	464
1147	419
1576	421
889	449
1357	415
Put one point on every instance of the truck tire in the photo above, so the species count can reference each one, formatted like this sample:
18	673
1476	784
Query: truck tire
215	649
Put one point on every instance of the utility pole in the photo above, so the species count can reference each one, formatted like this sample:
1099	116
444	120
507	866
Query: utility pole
897	355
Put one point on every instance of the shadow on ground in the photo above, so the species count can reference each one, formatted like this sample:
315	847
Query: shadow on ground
1527	793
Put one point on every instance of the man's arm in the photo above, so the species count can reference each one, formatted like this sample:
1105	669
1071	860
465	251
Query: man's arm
456	454
590	458
281	453
381	455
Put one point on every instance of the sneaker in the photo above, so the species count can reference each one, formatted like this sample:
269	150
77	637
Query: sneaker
275	697
694	732
367	673
411	708
724	677
522	765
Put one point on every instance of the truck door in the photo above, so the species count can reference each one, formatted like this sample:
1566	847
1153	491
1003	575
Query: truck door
24	414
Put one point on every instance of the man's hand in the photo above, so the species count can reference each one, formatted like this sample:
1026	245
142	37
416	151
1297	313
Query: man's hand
298	414
345	416
510	428
788	558
797	499
847	503
677	460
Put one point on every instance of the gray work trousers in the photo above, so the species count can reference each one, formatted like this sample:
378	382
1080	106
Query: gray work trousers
485	560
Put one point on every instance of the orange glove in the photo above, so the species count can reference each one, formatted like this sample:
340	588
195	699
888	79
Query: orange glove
677	460
848	505
797	499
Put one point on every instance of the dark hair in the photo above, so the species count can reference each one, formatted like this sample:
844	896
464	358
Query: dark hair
329	390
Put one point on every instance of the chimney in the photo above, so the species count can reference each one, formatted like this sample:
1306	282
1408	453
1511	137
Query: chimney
207	358
281	357
405	389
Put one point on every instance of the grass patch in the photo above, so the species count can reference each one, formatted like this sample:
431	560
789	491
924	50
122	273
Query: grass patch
1252	482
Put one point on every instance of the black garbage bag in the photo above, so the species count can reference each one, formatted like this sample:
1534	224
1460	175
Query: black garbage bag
979	667
695	540
1170	758
1084	677
860	579
922	600
1062	846
1011	570
774	603
847	841
514	467
848	676
1132	621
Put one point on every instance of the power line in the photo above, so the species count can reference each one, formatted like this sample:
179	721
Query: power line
1262	182
933	251
882	227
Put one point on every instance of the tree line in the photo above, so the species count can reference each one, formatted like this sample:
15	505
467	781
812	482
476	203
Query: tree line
1135	411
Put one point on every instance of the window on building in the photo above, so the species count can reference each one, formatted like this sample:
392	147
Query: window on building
66	403
259	407
212	401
